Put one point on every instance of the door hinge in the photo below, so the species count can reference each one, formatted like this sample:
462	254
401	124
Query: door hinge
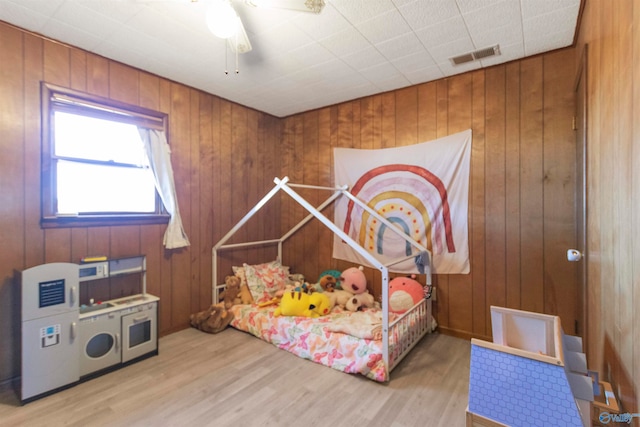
574	126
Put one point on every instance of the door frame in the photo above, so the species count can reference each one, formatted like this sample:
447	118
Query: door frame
581	128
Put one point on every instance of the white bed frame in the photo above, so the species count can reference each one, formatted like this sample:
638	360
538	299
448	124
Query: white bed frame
410	327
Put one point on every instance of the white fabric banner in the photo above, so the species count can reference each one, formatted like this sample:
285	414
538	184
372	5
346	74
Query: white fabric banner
422	189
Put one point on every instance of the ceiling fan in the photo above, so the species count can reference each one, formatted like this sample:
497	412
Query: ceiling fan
223	21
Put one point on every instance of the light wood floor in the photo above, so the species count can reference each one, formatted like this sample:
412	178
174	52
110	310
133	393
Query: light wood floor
234	379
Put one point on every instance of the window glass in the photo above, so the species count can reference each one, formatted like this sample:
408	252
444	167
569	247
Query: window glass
92	138
90	188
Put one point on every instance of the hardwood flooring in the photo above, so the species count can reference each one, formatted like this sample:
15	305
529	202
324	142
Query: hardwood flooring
234	379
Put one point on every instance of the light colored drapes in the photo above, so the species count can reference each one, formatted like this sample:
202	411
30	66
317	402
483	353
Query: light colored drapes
159	155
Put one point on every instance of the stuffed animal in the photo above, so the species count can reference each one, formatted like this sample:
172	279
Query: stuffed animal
245	292
404	293
298	303
333	273
328	283
231	292
340	298
354	282
212	320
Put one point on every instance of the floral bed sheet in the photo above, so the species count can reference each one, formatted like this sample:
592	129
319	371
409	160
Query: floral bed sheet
315	339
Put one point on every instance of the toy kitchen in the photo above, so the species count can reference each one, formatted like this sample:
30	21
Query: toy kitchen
80	321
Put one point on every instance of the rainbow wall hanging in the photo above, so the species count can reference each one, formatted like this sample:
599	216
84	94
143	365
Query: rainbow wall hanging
423	189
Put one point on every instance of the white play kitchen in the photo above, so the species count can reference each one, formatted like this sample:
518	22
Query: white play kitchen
73	328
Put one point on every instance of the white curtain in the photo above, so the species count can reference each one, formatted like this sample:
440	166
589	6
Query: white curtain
159	155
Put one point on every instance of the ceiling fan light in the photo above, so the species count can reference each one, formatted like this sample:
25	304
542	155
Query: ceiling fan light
222	20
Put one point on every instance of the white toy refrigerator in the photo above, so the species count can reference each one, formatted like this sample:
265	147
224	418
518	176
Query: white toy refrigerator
50	353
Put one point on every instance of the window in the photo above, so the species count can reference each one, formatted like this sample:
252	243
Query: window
95	169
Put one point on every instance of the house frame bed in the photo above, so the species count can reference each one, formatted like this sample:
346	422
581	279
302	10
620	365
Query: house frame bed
404	329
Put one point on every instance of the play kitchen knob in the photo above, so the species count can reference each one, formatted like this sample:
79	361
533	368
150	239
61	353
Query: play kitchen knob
574	255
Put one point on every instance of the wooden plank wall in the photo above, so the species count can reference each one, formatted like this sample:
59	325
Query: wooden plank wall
521	214
223	158
611	30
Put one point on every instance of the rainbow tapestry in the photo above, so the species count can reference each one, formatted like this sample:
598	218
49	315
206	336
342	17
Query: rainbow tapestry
423	189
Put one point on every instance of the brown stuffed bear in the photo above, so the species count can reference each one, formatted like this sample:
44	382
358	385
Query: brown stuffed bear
230	295
212	320
328	283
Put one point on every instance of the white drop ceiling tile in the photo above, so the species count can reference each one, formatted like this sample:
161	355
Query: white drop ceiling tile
364	58
443	32
312	54
418	16
424	75
542	7
503	14
284	38
119	11
549	23
143	44
62	31
467	6
324	25
345	42
357	11
404	45
44	7
381	71
24	17
158	26
86	20
392	83
504	35
415	61
389	25
258	19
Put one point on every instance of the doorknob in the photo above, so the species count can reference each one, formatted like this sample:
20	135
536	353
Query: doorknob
574	255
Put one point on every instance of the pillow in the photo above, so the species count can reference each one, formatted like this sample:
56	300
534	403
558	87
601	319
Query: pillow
266	279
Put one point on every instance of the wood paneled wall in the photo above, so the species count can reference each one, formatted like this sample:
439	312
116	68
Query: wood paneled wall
522	186
612	32
223	158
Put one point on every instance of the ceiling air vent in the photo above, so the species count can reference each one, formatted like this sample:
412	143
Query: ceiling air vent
474	56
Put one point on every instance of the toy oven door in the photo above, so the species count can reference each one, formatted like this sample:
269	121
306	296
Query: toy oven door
139	332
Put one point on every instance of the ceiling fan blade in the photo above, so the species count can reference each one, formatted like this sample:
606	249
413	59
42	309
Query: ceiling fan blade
240	41
311	6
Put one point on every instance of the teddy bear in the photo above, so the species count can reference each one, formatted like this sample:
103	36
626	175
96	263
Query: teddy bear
354	282
212	320
230	295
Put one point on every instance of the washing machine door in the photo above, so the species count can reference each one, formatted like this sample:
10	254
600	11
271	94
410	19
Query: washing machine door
100	341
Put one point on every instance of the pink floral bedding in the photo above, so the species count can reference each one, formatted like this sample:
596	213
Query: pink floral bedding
318	339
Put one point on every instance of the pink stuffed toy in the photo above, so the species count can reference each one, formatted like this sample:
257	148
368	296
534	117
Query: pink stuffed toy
404	293
354	281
